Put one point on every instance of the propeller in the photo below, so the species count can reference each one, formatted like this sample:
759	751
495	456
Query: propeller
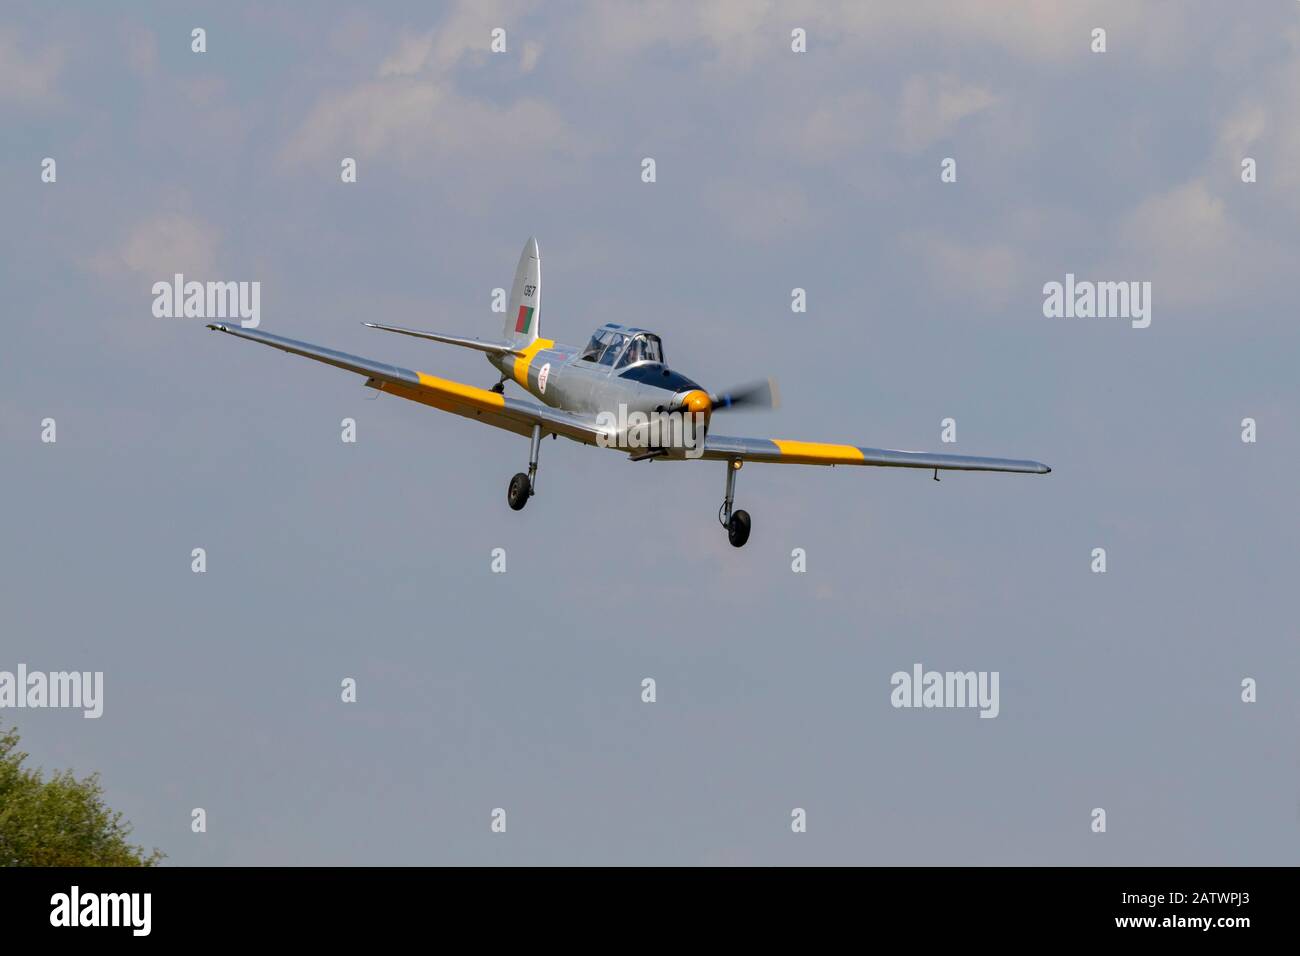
762	394
754	395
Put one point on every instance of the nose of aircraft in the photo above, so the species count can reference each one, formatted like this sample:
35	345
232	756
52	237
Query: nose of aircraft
693	401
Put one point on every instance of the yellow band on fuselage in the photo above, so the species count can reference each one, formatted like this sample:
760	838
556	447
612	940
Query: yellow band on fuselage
522	362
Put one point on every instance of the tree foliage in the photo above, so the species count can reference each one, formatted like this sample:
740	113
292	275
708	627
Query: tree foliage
61	821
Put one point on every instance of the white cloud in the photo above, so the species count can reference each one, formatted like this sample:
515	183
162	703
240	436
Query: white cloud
27	77
735	33
532	53
412	112
833	129
1187	244
415	120
468	30
161	246
928	108
1044	31
740	32
932	106
1213	239
465	32
1243	129
410	57
1265	125
982	273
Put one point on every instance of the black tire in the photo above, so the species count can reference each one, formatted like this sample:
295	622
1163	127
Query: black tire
518	492
738	529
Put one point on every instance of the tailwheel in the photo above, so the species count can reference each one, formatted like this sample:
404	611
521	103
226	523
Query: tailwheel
520	490
738	529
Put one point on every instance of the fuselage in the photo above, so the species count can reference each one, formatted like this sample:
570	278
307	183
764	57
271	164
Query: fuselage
627	370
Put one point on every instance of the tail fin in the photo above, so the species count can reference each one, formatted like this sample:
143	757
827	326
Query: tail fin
525	298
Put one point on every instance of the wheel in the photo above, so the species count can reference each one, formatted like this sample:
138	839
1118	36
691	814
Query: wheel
738	529
517	495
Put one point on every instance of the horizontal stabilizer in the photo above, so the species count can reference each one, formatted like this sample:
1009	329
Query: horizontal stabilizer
496	348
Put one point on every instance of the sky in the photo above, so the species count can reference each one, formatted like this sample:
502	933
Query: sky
775	170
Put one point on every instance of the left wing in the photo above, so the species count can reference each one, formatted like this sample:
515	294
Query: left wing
469	401
782	451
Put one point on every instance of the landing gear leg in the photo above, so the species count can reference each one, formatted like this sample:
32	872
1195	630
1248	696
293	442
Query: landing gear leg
736	522
521	486
533	450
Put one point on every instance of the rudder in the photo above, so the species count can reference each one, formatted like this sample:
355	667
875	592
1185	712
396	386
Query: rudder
525	298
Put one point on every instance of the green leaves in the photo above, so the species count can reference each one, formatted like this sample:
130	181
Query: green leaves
61	821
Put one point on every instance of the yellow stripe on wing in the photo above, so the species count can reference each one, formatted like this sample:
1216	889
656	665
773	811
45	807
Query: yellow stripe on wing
818	453
468	401
468	394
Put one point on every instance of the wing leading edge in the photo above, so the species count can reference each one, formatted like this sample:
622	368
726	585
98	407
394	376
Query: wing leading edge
468	401
782	451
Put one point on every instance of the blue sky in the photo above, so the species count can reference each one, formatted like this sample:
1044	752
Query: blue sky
775	170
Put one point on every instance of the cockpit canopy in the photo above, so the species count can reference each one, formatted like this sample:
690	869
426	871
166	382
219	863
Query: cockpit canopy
620	347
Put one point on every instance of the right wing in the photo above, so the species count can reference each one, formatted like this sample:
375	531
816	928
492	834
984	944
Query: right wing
468	401
782	451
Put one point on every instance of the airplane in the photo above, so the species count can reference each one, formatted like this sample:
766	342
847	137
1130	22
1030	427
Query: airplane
577	391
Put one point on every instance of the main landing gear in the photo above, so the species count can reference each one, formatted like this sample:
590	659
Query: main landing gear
736	522
521	485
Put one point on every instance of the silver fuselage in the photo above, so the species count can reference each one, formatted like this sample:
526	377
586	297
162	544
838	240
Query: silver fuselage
560	377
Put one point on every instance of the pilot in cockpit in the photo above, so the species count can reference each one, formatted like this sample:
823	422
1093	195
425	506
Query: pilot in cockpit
607	348
603	347
633	353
